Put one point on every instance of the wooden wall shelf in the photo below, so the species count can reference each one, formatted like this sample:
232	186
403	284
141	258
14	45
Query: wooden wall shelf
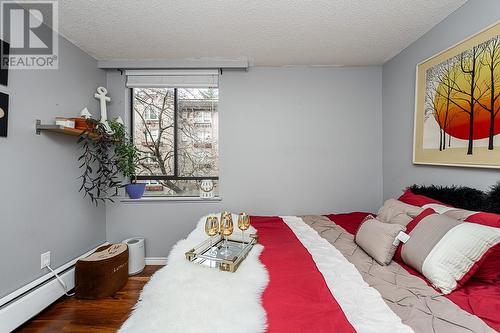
39	127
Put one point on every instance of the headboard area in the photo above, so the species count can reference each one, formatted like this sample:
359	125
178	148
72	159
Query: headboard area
463	197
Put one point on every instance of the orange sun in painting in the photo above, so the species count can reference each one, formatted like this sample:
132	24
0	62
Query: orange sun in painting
453	99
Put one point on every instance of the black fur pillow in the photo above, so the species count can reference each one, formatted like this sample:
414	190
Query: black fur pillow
463	197
494	199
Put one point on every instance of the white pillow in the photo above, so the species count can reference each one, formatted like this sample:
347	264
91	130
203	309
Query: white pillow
445	250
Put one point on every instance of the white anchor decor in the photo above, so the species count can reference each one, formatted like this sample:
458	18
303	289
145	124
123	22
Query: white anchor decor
103	99
101	96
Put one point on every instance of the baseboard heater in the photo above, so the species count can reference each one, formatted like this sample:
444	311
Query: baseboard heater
26	302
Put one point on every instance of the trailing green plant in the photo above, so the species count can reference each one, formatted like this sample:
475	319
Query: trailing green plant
100	179
127	155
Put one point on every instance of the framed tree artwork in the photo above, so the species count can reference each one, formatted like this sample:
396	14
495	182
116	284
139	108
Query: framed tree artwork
4	56
457	104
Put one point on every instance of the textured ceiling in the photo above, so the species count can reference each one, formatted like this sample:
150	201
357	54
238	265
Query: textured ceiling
268	32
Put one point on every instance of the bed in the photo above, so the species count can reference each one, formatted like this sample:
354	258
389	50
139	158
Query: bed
308	275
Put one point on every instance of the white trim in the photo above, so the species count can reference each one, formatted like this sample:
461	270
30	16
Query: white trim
173	199
363	305
172	80
39	294
413	159
484	166
200	63
175	72
156	261
42	279
15	314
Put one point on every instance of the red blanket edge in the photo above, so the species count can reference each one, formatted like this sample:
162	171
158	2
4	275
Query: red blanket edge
297	298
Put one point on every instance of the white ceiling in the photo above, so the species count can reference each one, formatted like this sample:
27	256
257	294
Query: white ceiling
268	32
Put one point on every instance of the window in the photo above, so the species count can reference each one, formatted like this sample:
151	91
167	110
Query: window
179	148
202	117
150	113
154	134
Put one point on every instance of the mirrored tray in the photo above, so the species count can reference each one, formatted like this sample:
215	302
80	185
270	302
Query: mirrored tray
203	255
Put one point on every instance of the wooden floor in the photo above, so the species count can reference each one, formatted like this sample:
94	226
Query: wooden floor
69	314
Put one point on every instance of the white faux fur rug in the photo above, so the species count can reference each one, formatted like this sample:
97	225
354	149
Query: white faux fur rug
186	297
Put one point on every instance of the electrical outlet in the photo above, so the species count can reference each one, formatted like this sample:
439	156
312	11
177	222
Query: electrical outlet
44	259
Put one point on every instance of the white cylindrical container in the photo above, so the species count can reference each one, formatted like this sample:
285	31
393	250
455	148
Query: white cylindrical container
136	254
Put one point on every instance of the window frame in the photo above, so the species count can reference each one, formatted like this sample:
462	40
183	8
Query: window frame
175	176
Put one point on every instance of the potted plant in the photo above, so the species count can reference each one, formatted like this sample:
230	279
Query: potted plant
127	157
107	151
100	172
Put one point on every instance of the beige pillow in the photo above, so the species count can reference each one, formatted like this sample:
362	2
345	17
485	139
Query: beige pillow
455	213
395	211
378	238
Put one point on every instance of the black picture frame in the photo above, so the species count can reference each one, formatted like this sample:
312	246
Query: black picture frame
4	69
4	114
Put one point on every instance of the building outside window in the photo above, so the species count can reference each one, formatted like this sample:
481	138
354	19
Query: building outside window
180	147
150	113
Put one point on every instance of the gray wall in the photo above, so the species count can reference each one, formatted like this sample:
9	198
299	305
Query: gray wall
40	207
292	141
398	97
312	143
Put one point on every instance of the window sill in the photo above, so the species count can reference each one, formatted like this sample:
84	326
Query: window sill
173	199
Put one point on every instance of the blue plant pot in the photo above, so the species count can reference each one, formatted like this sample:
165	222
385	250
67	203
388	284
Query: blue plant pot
135	191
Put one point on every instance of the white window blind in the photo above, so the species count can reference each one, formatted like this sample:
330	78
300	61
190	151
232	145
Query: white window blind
172	78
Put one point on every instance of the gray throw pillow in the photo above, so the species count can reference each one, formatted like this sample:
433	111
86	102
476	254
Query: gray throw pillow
377	239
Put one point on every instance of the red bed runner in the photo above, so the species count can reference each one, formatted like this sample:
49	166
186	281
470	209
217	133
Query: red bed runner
480	299
297	298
